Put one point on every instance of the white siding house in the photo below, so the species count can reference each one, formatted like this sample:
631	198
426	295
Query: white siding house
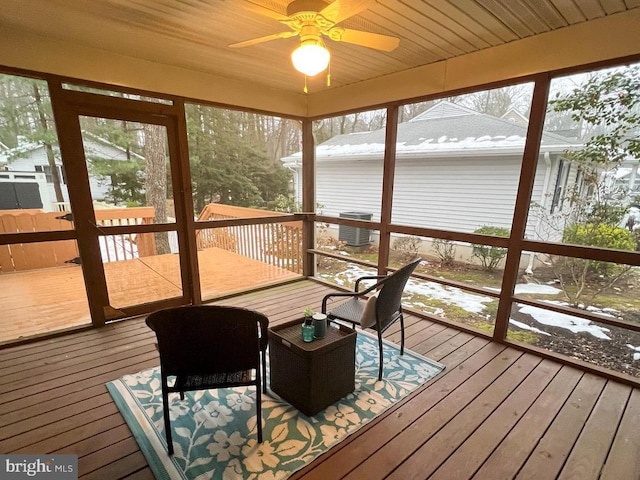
456	169
32	157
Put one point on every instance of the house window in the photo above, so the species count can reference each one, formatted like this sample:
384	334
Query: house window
46	169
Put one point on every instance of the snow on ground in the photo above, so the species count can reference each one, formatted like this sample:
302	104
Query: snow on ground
602	311
568	322
474	303
636	355
470	302
349	276
524	326
546	317
530	288
524	288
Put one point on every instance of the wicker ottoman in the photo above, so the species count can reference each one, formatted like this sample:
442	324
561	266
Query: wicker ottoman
311	376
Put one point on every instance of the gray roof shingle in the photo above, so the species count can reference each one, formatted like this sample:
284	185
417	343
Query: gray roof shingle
445	126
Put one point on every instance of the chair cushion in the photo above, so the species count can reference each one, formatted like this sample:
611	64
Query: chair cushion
368	318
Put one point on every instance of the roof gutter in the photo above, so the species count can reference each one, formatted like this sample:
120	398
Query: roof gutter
422	154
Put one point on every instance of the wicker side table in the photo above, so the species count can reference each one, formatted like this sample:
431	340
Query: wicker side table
312	376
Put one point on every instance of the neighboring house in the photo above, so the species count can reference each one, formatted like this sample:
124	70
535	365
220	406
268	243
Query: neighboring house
626	178
456	169
514	116
19	164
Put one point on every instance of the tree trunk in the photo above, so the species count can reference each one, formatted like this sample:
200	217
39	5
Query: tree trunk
51	159
155	184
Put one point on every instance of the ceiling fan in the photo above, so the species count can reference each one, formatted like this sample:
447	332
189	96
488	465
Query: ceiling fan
311	19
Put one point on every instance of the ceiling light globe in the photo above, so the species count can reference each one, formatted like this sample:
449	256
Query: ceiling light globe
310	59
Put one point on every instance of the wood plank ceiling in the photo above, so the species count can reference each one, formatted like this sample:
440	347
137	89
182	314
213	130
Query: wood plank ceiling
195	34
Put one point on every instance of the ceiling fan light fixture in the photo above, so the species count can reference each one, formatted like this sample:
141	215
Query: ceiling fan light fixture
310	58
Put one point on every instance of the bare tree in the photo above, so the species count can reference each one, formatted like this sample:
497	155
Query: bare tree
497	101
51	159
156	180
409	111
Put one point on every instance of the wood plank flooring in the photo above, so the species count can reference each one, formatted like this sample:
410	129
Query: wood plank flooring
495	413
50	299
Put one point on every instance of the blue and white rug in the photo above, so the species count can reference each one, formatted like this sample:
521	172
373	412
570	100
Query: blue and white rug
214	431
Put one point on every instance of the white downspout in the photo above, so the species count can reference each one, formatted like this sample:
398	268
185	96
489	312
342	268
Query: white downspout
632	176
543	204
297	191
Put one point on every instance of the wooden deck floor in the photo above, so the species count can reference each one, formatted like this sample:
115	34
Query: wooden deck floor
495	413
41	301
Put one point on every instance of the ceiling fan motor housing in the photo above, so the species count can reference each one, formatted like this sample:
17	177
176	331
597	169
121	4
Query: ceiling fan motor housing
305	10
311	19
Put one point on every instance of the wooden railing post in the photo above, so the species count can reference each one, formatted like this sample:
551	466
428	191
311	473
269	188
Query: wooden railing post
308	197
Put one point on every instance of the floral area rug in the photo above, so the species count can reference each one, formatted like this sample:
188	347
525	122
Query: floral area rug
214	431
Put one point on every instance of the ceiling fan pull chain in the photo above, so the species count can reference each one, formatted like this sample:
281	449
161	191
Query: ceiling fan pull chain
329	75
305	90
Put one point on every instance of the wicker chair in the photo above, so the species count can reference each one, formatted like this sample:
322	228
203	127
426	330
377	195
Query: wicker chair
208	347
379	311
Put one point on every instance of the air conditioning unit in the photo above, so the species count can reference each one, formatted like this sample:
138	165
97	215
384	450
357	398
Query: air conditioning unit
355	236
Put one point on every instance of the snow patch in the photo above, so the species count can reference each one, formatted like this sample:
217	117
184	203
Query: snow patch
636	354
524	326
475	303
470	302
534	288
531	288
568	322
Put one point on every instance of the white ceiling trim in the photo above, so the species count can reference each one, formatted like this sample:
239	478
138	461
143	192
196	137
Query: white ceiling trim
25	50
613	36
601	39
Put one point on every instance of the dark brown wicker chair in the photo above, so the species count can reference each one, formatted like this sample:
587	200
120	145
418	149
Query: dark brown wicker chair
208	347
379	311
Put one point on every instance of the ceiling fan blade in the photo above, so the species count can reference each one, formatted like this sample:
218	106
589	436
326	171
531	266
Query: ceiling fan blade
264	11
365	39
340	10
267	38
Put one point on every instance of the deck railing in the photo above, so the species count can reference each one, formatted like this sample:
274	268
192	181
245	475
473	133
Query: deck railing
29	256
278	244
126	246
